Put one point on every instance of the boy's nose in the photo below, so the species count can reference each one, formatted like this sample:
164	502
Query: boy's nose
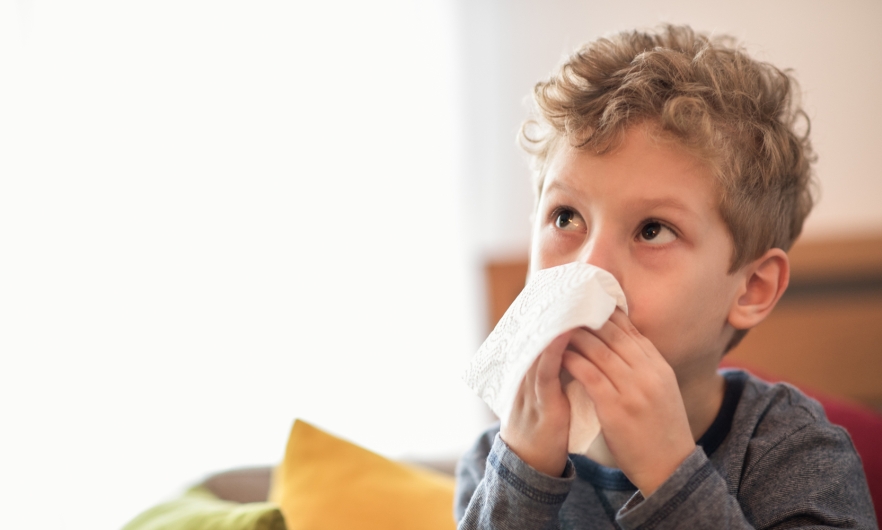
600	251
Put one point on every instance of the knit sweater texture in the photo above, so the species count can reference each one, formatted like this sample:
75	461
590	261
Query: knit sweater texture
771	459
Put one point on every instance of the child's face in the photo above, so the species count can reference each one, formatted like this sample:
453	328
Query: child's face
647	213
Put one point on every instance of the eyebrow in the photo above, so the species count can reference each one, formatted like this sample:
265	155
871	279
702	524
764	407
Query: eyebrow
643	203
665	202
559	185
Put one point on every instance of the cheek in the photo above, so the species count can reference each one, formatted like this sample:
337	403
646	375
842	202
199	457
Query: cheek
536	247
546	251
649	311
681	318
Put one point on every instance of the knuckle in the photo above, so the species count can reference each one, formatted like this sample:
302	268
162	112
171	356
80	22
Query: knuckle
616	334
633	404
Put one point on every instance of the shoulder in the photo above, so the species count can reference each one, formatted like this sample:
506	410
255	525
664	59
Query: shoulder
784	455
779	410
779	416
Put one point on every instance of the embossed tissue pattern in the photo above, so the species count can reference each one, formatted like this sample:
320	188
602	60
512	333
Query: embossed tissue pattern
554	301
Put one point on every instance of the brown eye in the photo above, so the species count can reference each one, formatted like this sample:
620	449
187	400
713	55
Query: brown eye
656	233
651	230
568	220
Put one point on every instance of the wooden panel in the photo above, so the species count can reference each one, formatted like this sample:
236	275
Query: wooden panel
836	259
826	332
505	279
832	344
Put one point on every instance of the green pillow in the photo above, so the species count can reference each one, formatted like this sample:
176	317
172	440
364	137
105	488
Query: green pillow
199	509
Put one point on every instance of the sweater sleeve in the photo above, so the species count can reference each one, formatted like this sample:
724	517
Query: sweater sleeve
497	490
811	478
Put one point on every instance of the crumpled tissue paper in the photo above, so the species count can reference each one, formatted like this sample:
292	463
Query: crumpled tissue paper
554	301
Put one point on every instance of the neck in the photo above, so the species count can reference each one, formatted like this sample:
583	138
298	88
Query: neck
703	399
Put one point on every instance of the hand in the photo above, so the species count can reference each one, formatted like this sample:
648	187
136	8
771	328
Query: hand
637	399
538	428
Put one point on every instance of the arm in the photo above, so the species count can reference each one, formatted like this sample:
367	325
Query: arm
523	474
811	478
645	426
496	489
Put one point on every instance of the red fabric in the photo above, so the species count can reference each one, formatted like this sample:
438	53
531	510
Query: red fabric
862	423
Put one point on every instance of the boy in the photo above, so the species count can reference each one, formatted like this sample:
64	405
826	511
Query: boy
670	160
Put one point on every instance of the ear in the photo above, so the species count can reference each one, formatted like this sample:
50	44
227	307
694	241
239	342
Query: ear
763	282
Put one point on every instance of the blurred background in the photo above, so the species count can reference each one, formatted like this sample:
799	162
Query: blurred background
218	216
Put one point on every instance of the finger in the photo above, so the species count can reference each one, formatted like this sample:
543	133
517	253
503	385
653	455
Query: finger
597	385
605	359
620	319
547	367
527	390
617	334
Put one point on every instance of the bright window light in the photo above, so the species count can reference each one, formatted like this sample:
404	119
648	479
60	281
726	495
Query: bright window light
216	217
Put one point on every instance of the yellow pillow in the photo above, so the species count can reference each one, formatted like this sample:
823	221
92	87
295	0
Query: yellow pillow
328	483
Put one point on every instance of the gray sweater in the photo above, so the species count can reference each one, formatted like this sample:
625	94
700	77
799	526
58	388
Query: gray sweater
769	460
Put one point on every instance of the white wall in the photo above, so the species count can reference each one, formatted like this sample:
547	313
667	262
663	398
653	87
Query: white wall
832	46
216	217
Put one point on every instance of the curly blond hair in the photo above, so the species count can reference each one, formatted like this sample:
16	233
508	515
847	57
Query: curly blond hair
740	115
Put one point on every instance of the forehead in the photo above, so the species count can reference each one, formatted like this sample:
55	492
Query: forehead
644	170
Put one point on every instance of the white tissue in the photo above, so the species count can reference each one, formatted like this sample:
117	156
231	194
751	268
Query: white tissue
554	301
